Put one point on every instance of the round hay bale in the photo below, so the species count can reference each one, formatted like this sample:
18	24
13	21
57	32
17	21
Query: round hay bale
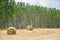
11	31
29	27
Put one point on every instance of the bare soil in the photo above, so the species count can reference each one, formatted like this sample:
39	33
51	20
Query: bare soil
36	34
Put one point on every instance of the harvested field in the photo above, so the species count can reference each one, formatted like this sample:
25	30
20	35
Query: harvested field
36	34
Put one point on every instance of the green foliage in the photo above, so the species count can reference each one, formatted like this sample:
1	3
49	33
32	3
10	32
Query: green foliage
20	15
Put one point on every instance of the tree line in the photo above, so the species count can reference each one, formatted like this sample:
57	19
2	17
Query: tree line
20	15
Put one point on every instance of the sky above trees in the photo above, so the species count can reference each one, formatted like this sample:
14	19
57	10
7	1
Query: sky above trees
45	3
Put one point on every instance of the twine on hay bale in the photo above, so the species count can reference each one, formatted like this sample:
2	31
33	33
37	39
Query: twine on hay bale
29	27
11	31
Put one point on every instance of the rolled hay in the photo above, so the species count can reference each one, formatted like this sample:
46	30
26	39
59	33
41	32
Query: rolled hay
29	27
11	31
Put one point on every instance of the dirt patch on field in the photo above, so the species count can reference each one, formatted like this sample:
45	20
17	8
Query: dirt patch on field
36	34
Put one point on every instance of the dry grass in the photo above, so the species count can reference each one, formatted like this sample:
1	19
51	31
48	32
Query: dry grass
29	27
11	31
36	34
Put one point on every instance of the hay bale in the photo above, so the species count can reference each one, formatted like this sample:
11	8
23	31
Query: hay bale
11	31
29	27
